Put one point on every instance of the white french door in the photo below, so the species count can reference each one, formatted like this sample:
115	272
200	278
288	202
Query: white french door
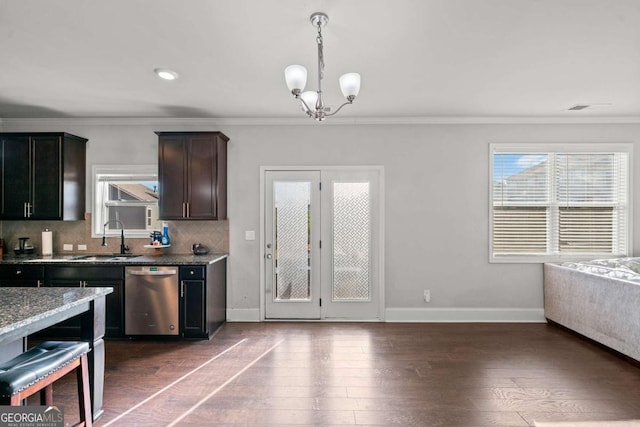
350	241
322	244
292	233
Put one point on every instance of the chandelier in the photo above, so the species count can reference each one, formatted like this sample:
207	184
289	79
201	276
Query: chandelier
296	78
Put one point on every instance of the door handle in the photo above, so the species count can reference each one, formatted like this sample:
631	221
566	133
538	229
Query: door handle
268	256
170	272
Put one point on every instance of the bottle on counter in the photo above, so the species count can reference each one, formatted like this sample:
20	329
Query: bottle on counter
165	234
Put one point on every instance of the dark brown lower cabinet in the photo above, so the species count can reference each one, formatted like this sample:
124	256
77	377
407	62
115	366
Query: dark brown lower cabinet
202	299
89	276
203	294
21	275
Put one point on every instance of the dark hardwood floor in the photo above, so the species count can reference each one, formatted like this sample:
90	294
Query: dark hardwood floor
371	374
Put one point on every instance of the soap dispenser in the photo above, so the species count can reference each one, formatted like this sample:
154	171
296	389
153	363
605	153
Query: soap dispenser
165	234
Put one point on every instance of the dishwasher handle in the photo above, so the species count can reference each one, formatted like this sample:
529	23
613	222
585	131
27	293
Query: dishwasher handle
152	273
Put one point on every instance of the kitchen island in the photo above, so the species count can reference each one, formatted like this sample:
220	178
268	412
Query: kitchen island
25	311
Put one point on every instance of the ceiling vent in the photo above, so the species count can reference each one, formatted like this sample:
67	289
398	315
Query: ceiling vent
579	107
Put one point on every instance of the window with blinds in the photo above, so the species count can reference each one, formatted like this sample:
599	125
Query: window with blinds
554	205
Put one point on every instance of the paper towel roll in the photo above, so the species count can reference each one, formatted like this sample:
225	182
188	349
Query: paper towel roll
47	243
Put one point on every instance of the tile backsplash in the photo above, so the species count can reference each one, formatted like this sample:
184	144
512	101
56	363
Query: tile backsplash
213	234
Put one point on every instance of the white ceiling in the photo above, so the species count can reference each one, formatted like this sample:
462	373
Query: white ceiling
417	58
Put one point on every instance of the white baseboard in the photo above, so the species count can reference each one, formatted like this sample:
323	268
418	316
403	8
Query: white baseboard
444	315
243	315
460	315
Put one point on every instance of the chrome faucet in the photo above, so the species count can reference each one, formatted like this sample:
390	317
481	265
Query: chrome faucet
123	248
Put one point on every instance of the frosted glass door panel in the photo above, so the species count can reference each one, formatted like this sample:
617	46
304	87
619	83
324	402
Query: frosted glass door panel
292	245
351	241
292	255
351	236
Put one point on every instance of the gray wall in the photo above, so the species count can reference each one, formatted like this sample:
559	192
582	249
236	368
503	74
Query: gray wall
436	202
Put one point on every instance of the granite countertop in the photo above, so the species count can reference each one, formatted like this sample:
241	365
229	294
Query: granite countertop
111	259
22	307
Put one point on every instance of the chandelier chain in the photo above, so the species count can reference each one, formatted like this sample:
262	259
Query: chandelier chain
320	42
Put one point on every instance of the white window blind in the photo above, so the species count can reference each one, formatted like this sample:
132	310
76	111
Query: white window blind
559	204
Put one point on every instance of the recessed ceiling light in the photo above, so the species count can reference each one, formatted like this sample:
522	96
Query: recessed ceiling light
166	74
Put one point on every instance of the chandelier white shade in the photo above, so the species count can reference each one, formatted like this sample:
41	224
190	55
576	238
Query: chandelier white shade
296	79
309	100
350	85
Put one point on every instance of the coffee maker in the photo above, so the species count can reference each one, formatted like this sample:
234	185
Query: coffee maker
23	247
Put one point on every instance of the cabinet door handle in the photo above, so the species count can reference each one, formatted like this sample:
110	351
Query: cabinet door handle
182	289
27	210
188	210
39	283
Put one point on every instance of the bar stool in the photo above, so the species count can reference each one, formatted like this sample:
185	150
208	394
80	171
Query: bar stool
39	367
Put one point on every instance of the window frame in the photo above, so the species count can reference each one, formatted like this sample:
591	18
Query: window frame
97	217
559	148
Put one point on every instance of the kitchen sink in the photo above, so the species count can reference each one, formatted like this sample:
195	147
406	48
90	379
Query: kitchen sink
103	257
86	258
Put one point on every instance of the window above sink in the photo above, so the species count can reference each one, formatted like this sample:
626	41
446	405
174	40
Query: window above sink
126	194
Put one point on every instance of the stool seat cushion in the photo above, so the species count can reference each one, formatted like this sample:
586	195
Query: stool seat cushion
38	362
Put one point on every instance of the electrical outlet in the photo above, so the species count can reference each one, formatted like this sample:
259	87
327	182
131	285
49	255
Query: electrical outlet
67	247
427	295
82	247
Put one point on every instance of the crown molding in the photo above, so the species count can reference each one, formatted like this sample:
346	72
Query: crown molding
304	121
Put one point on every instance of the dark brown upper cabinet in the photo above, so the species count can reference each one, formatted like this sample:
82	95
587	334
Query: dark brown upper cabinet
192	175
43	176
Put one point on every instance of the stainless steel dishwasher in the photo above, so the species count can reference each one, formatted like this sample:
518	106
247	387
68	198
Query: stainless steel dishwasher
151	300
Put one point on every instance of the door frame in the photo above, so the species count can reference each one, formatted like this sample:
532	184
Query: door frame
380	250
